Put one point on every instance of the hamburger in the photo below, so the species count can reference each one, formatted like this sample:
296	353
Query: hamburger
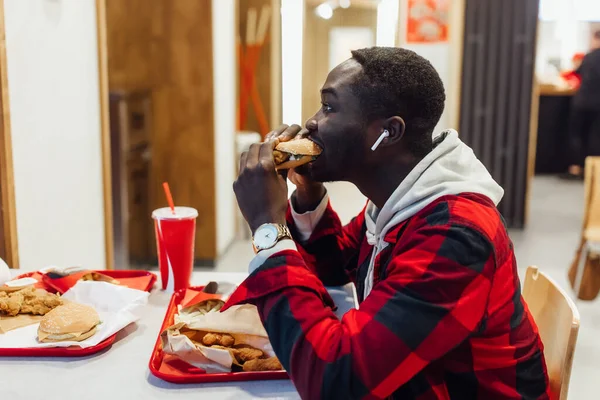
295	153
69	322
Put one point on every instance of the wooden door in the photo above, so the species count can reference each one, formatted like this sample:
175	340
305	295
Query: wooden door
168	48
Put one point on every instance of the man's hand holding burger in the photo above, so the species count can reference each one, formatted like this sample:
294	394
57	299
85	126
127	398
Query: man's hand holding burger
260	190
308	193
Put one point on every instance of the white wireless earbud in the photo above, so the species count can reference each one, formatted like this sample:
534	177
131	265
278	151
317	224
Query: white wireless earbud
385	134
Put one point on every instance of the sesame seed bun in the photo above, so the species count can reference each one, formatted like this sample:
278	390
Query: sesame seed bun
294	153
71	321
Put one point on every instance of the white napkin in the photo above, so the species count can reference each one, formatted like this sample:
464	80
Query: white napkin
4	273
118	306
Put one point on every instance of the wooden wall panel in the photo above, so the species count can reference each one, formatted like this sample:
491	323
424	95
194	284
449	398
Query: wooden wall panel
166	46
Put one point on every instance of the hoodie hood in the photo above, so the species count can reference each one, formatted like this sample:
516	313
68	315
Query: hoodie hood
450	168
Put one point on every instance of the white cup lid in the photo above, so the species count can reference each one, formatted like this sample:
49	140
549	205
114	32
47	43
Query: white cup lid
180	213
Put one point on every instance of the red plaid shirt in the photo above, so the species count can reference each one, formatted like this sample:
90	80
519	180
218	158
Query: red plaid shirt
445	318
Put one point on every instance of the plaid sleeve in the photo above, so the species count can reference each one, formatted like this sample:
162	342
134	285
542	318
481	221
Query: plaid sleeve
433	298
331	248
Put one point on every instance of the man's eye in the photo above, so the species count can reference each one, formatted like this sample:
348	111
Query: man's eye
326	107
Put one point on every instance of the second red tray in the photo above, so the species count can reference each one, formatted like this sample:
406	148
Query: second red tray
172	369
141	280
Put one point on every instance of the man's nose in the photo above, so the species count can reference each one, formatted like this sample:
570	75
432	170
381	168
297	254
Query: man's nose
311	124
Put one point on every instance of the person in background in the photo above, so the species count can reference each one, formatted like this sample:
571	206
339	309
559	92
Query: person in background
572	77
441	314
584	124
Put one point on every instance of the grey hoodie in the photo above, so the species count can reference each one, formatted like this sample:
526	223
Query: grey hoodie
450	168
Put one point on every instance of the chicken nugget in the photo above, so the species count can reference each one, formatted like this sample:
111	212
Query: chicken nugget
266	364
221	339
244	352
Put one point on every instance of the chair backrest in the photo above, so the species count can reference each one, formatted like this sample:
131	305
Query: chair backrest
591	217
557	319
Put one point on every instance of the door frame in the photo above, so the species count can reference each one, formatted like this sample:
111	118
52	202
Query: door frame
8	216
105	130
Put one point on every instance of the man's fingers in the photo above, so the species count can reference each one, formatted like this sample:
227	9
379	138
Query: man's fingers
290	133
266	153
243	159
283	173
253	155
303	134
275	133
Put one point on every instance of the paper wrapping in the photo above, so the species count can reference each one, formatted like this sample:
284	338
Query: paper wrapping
8	324
117	307
242	322
200	315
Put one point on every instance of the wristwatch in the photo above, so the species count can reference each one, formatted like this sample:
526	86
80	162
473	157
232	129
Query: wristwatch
267	236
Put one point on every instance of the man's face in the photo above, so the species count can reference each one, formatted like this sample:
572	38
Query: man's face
338	127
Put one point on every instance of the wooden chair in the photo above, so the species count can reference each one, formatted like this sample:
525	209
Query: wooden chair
590	235
557	319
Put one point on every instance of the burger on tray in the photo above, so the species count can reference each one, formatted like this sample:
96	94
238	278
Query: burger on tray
69	322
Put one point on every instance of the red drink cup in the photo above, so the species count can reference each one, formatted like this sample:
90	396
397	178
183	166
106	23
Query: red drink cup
175	233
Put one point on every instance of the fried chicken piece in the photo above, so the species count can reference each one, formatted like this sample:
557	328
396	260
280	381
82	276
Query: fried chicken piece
221	339
260	364
241	352
40	303
29	301
244	352
11	304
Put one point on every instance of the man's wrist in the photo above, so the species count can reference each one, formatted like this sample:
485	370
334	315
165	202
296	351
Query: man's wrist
258	222
305	199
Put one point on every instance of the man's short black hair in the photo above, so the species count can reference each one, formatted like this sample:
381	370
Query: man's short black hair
399	82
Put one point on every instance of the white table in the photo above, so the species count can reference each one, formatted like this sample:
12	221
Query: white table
121	372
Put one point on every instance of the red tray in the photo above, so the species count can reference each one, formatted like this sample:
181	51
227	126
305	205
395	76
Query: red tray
124	277
141	280
172	369
58	351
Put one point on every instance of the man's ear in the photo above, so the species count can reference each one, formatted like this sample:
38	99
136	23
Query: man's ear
396	128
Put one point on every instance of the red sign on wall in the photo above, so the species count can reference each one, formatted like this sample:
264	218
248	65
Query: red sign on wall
427	21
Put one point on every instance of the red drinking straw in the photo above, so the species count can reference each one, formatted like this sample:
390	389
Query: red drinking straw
169	196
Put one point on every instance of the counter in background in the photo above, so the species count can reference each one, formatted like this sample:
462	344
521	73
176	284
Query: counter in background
553	128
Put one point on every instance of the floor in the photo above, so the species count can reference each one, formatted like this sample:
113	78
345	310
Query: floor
549	241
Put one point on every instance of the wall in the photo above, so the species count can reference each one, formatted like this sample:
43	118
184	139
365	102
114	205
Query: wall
439	55
168	48
315	58
224	66
55	117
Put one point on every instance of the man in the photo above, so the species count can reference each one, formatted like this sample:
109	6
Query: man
584	124
441	314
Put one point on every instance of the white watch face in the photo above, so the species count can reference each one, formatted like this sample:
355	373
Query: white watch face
266	236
